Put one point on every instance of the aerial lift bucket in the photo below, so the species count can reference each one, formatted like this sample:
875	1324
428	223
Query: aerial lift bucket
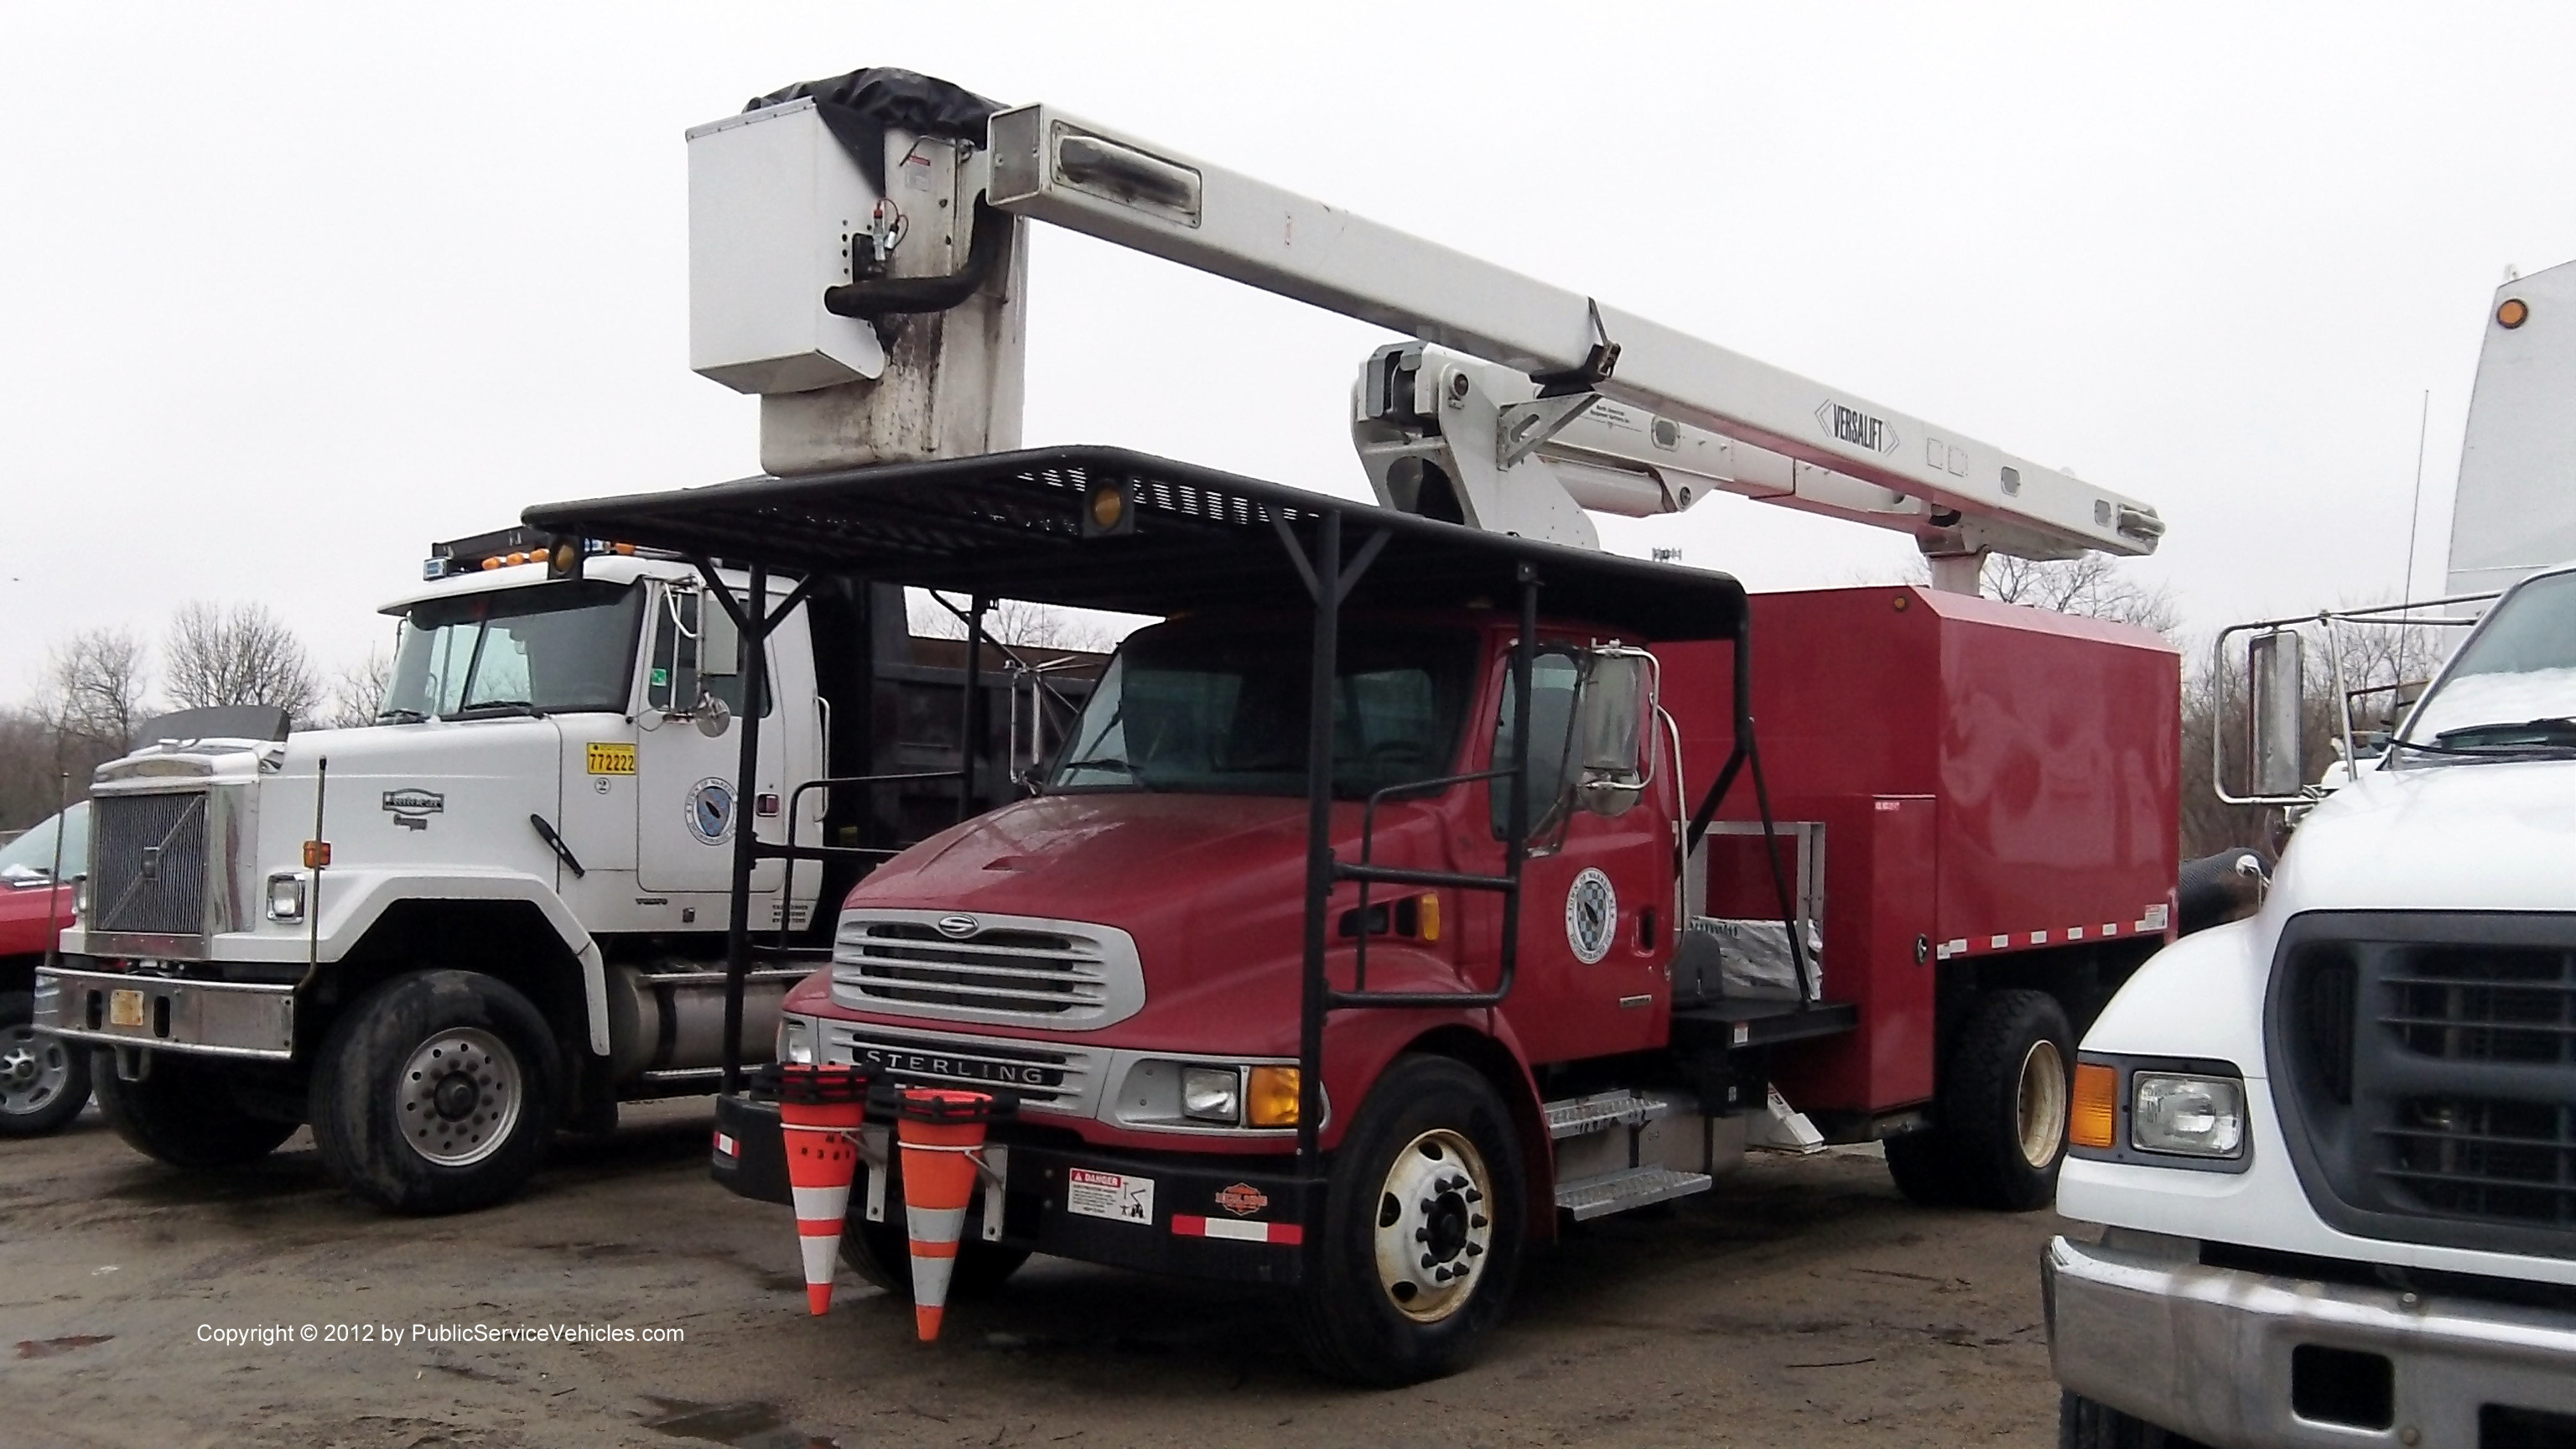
821	1108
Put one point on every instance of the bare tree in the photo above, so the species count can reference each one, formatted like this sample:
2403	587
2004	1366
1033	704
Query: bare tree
1019	622
358	690
2091	585
94	684
241	655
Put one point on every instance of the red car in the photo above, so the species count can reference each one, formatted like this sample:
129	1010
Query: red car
43	1080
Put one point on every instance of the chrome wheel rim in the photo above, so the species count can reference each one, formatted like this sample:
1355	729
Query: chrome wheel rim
34	1070
1434	1226
2039	1104
458	1097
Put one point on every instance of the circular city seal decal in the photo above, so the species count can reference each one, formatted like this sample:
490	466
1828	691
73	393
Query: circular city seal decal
711	810
1591	916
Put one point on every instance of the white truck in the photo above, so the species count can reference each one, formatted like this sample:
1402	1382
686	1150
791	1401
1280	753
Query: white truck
2333	1146
502	909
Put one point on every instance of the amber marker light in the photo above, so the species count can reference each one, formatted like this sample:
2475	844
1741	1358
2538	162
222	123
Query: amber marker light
1108	505
2512	312
1427	918
1272	1100
2092	1120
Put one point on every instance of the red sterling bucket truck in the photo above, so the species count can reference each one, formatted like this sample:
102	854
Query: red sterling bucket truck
1420	881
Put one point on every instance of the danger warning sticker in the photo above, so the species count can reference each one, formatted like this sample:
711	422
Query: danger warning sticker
1111	1195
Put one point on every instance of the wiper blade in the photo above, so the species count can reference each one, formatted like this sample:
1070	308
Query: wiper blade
400	716
501	706
2554	730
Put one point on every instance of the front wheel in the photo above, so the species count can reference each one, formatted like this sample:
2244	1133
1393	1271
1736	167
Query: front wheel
184	1112
1422	1230
44	1080
435	1093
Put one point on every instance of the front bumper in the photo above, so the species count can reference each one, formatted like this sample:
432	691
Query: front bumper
2208	1352
1153	1212
205	1018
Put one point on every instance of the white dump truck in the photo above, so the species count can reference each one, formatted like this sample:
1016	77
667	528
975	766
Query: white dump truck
2333	1145
502	909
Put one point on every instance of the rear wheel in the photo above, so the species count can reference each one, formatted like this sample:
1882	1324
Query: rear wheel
2084	1424
436	1093
1422	1230
2000	1110
44	1080
185	1112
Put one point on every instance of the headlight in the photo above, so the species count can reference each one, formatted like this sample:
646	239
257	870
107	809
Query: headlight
795	1040
286	897
1212	1094
2189	1115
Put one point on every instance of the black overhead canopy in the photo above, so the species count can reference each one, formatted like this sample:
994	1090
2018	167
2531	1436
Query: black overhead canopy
1010	525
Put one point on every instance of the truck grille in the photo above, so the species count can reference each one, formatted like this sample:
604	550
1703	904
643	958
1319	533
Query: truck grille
148	864
986	968
2432	1075
1041	1075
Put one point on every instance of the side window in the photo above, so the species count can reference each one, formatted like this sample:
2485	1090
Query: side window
695	645
1555	681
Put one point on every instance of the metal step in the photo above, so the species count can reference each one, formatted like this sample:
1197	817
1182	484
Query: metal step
1575	1116
1615	1192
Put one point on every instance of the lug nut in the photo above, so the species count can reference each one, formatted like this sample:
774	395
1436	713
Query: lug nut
1475	1250
1428	1261
1475	1220
1422	1235
1474	1196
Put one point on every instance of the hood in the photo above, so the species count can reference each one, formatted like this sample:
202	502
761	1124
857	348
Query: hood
2445	837
1098	856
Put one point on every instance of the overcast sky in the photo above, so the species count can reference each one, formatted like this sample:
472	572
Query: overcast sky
292	291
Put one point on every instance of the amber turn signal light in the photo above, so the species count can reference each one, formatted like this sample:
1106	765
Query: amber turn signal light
2092	1120
1272	1100
317	855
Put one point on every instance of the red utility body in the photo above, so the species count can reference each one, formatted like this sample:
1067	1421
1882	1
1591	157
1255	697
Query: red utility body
1992	779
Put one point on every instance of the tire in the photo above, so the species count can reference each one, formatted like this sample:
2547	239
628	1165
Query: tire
44	1080
881	1253
435	1093
2084	1424
2002	1104
1925	1169
184	1113
1432	1151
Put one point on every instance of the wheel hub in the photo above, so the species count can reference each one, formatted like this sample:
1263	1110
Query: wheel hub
33	1069
458	1096
1434	1222
2039	1104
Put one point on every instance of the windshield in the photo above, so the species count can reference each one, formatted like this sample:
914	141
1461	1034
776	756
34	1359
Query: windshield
547	649
29	859
1208	706
2513	683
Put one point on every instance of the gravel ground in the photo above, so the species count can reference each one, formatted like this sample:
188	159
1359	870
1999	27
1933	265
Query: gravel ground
1803	1304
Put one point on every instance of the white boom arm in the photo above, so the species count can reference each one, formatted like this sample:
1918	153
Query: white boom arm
1800	443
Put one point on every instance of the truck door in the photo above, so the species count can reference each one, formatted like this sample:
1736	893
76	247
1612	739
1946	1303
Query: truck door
688	803
1597	888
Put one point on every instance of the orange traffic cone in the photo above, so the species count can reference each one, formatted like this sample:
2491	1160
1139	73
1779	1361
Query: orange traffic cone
821	1108
940	1131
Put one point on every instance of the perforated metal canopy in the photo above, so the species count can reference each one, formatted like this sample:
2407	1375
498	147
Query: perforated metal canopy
1010	525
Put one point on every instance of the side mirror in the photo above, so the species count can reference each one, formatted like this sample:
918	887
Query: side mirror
2275	685
1613	744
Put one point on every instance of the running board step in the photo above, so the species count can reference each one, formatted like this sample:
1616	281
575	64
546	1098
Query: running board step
1616	1192
1575	1116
